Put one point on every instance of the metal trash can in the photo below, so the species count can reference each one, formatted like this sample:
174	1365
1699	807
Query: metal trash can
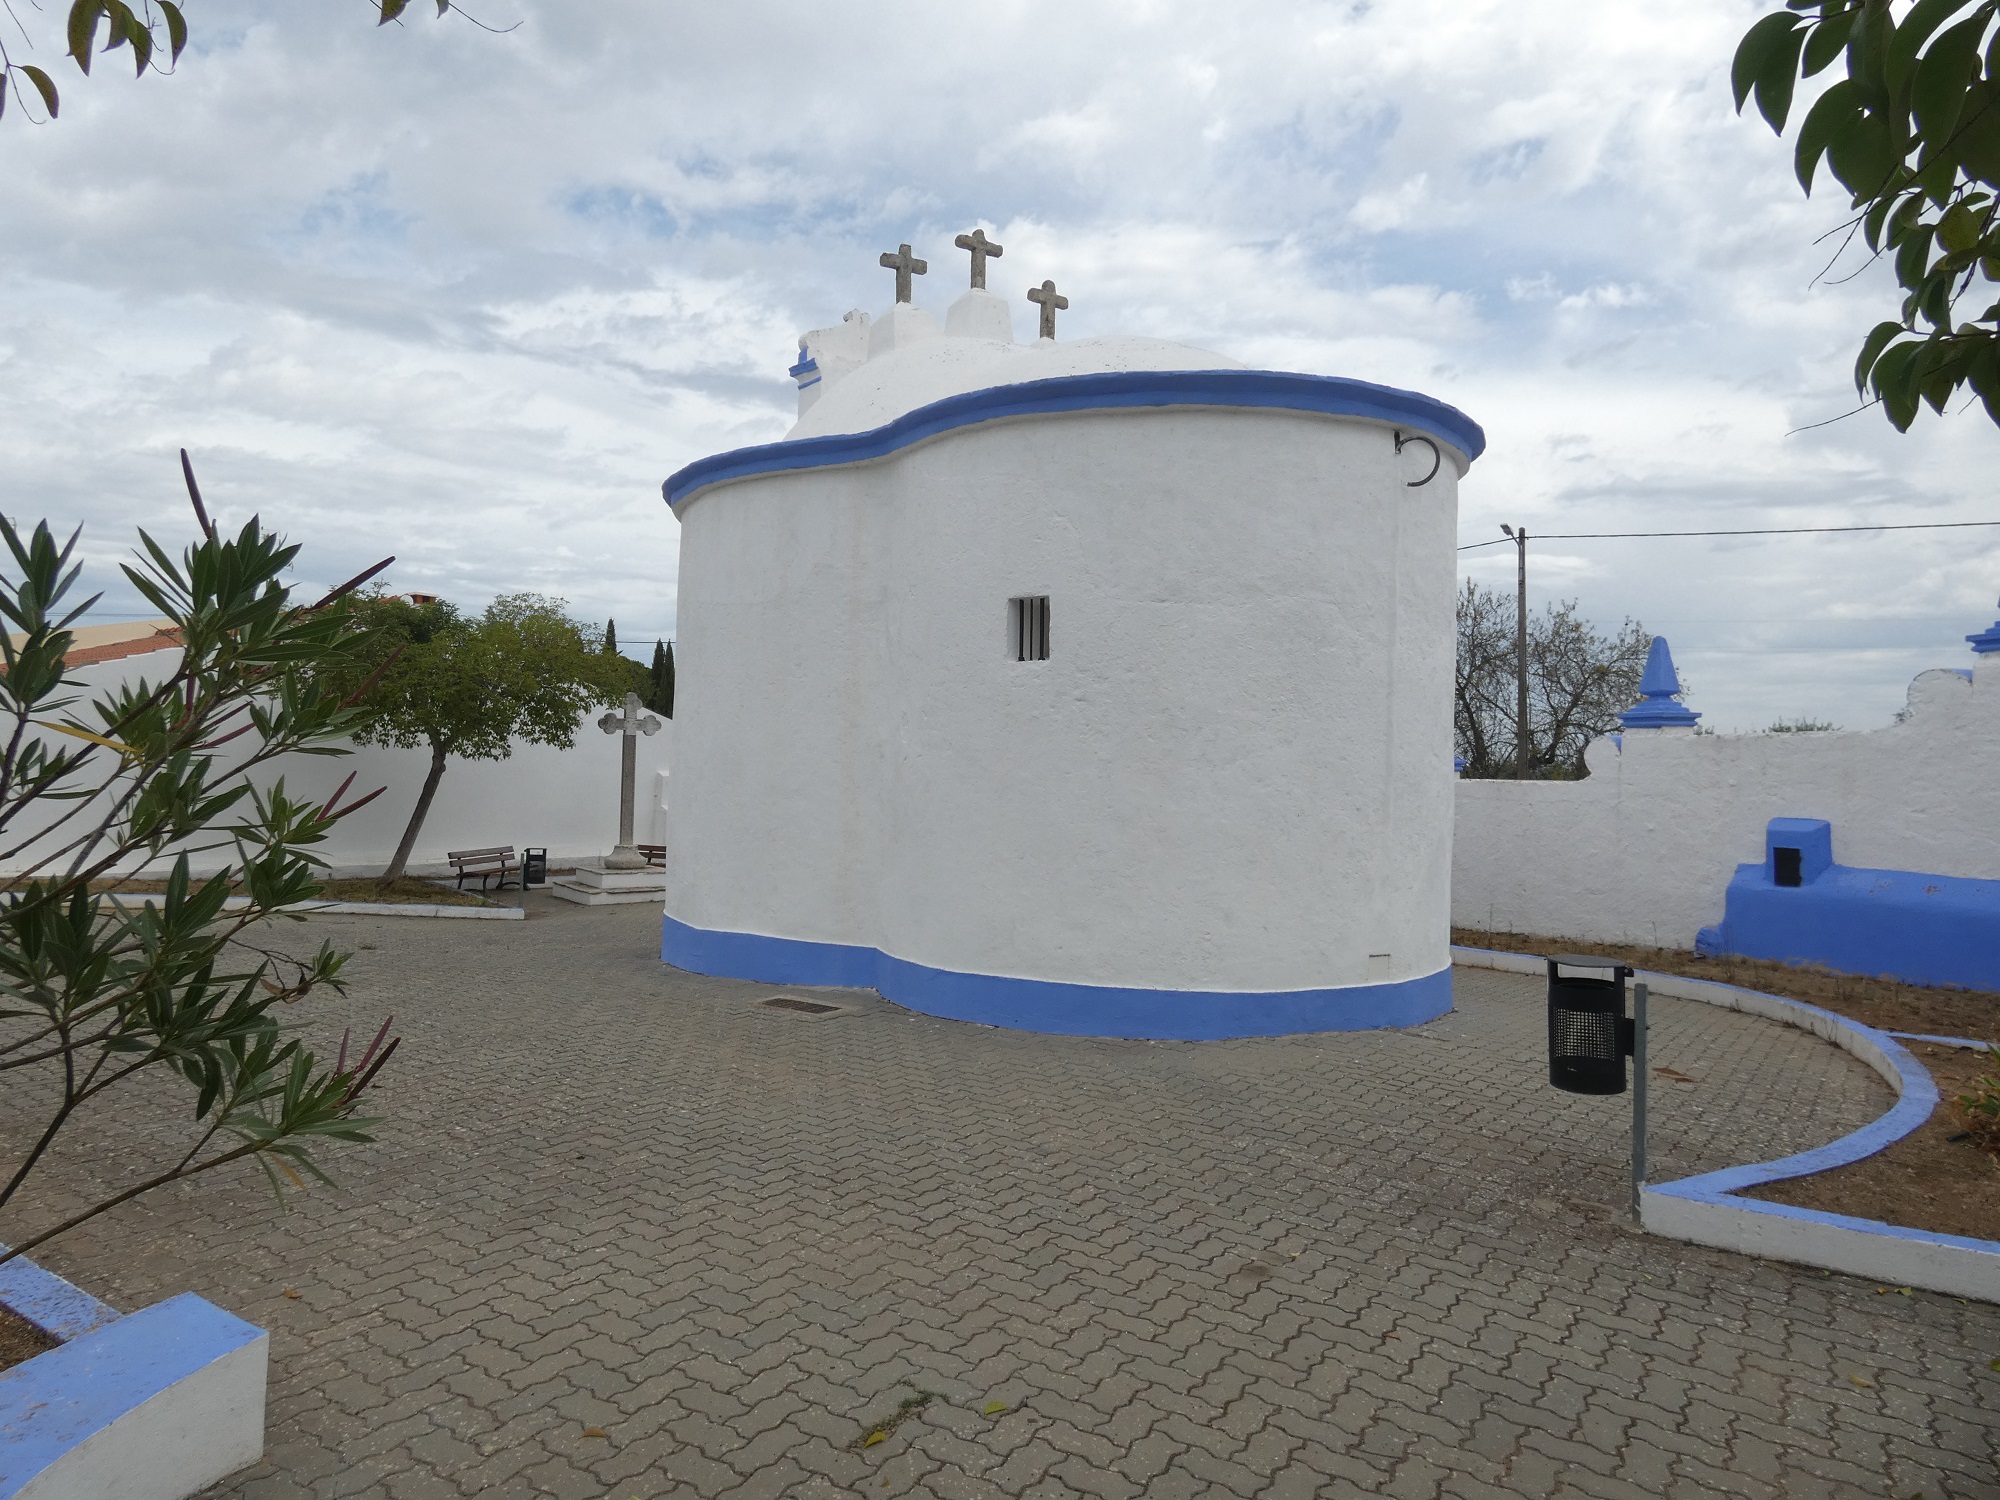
534	867
1590	1035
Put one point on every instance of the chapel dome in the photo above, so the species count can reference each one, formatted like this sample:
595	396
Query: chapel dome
915	374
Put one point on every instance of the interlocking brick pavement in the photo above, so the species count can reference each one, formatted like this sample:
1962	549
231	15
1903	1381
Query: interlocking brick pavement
615	1197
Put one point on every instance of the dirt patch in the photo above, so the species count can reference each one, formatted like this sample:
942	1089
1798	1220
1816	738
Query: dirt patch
1884	1004
1927	1180
409	891
20	1340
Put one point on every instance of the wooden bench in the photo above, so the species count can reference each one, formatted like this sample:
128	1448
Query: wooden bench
656	854
486	864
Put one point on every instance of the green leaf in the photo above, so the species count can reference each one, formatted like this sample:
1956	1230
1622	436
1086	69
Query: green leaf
45	86
142	43
1943	78
443	6
177	29
83	16
1837	106
1755	52
1863	154
1908	39
1826	42
1779	78
391	9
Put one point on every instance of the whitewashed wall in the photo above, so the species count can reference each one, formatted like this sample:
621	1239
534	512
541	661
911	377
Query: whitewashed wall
1642	850
565	801
1230	774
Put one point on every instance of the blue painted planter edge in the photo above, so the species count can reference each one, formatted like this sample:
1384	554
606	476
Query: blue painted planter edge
1917	1098
53	1305
57	1401
1274	390
1053	1007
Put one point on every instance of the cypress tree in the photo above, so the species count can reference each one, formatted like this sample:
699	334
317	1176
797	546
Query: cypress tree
610	637
663	679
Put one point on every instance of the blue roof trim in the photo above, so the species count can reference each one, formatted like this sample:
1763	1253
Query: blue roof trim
1329	395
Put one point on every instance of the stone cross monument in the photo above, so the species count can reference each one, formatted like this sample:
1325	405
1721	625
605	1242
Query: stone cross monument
982	249
631	723
1048	299
905	265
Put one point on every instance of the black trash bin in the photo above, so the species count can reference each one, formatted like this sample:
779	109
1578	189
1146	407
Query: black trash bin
1590	1035
534	867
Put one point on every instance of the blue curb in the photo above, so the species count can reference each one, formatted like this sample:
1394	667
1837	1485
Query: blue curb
1050	1006
1327	395
56	1402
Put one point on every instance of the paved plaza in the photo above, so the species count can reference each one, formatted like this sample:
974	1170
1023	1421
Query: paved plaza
631	1233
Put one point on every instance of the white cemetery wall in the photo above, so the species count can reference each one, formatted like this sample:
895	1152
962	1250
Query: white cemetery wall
565	801
1642	850
1231	772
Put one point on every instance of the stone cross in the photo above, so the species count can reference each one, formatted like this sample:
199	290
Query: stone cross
905	265
632	723
981	247
1047	298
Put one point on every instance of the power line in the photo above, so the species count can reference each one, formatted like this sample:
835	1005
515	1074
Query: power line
1578	536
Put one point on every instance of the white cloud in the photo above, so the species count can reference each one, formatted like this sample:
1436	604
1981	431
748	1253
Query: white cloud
471	298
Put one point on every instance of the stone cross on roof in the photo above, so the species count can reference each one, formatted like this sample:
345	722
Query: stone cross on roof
981	247
905	265
1048	299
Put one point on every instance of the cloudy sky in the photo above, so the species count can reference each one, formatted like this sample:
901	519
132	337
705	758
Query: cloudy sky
468	298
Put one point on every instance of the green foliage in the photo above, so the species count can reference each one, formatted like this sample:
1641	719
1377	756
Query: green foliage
1802	726
1912	131
95	991
427	676
659	690
1980	1109
96	27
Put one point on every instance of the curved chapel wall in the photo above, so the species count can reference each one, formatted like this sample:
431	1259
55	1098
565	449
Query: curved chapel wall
1230	774
1642	850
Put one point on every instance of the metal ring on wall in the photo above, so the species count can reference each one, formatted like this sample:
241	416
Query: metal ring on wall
1437	458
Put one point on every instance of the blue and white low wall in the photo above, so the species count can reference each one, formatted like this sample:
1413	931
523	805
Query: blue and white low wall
153	1405
1643	849
1707	1210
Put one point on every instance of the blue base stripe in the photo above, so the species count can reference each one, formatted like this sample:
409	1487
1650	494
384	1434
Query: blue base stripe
1328	395
1051	1006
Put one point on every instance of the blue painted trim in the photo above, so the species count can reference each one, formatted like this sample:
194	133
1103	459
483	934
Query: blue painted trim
1988	640
60	1310
57	1401
1053	1007
1328	395
807	365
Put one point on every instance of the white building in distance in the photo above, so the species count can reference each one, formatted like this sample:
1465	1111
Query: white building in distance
1100	687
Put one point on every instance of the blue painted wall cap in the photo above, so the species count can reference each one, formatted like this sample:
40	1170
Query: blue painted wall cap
1812	837
1659	687
1660	680
1987	640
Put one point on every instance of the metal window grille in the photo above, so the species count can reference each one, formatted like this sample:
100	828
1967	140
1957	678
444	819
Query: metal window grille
1028	627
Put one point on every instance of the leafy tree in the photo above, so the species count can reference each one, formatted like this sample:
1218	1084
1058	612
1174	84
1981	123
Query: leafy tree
660	680
102	26
1912	131
470	686
1579	680
96	992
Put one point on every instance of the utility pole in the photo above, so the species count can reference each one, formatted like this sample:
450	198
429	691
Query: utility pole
1523	746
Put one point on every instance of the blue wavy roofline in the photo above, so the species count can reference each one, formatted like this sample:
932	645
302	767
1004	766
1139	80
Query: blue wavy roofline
1329	395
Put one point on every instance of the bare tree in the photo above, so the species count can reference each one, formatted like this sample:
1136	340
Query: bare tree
1579	679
